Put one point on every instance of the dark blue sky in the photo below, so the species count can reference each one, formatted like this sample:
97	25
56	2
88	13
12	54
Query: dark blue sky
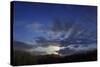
29	17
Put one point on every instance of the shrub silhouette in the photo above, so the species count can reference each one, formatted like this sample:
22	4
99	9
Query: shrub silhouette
24	58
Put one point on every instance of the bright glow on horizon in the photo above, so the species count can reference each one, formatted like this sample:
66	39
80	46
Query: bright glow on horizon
50	49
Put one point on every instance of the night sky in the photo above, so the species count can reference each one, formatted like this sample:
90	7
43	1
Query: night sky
36	20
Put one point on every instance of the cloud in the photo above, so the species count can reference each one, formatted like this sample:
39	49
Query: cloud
37	27
48	31
34	26
77	48
33	42
45	50
82	47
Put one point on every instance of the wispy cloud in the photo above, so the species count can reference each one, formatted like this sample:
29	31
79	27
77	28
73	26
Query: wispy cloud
34	26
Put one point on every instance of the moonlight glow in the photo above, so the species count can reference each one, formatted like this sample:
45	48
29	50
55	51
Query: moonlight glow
50	49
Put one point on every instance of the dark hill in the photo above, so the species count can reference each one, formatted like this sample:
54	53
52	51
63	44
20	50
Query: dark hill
24	58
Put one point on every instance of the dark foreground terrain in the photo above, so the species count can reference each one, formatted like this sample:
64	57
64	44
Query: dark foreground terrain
24	58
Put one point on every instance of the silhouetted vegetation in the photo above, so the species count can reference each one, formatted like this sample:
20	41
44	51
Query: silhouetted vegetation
24	58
